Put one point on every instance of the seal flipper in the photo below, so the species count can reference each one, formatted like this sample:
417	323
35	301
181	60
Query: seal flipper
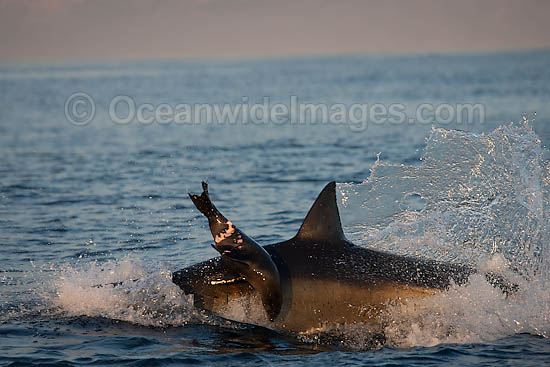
243	255
206	207
322	222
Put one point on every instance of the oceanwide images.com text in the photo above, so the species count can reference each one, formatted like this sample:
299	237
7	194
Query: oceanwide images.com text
80	110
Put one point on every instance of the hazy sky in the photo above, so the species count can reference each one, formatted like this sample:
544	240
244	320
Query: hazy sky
41	30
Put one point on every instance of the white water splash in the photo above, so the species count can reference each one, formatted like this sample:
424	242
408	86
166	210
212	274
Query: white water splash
475	312
246	309
140	294
484	200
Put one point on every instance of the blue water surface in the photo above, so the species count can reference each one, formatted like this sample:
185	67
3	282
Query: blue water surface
106	201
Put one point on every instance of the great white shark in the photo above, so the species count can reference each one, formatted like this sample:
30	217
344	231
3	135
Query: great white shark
315	279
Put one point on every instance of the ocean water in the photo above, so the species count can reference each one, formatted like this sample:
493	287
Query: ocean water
87	203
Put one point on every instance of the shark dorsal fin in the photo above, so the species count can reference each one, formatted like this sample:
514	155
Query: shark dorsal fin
322	222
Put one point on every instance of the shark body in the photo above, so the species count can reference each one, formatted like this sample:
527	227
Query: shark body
314	279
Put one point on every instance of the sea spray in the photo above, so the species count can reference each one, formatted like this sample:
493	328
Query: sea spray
480	194
480	200
127	290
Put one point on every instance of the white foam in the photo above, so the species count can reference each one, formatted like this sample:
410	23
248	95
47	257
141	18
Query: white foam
246	309
146	294
471	313
486	197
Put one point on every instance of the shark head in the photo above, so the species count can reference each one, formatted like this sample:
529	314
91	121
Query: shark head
244	260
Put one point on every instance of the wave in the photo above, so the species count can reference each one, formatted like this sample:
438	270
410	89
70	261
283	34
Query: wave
473	199
127	290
